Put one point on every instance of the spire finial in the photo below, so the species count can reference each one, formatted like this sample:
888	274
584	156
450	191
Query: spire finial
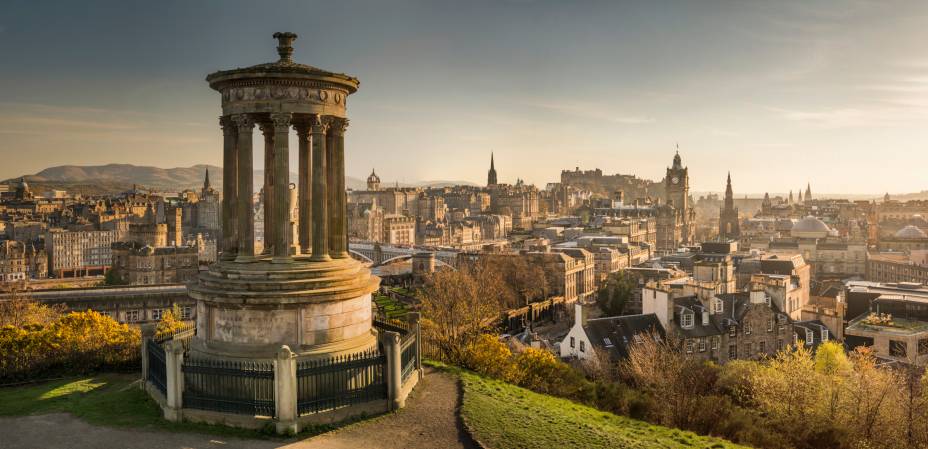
285	45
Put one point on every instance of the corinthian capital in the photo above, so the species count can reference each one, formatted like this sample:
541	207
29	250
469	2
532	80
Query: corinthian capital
244	122
338	125
318	124
281	119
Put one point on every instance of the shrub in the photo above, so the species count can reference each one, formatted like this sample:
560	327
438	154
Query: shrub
490	357
78	342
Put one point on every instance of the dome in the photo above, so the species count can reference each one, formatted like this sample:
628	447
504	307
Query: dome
373	177
811	225
910	232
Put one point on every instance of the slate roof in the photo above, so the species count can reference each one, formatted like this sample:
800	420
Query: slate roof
615	334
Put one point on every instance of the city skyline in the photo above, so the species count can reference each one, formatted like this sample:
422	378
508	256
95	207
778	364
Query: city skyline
780	95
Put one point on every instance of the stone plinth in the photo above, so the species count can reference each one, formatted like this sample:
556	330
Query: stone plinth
315	308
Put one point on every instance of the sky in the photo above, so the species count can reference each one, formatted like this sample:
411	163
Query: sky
782	93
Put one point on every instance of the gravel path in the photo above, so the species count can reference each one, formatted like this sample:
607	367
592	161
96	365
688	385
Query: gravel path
430	420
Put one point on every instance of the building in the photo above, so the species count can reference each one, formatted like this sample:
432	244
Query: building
79	253
891	319
612	336
21	261
892	266
135	263
491	174
729	220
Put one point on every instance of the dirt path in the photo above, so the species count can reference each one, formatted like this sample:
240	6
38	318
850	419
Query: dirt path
430	420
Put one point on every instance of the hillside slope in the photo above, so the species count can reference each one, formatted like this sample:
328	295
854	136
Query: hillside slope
502	415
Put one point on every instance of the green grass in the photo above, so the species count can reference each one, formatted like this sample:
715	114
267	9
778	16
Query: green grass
502	415
114	400
392	307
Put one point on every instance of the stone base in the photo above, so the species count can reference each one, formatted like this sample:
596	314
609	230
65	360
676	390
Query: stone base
248	310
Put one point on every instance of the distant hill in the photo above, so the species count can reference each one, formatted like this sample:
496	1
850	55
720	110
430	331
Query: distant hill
115	178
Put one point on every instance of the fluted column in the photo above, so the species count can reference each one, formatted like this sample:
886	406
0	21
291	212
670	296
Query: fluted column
305	188
320	201
229	188
267	129
245	191
280	220
338	242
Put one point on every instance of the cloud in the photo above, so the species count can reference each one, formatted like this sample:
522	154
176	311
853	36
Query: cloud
850	117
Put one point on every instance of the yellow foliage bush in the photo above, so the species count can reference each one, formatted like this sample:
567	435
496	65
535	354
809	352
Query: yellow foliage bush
169	324
490	357
77	342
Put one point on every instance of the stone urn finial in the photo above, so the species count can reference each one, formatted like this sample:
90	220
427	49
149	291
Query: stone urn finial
285	45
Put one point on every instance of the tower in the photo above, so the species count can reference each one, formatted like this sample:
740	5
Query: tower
373	181
491	175
677	184
206	185
808	191
729	224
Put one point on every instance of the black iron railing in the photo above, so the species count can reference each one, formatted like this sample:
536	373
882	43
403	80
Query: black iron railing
241	387
341	381
408	355
157	370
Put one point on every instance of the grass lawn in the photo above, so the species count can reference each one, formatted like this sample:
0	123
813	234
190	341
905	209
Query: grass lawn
393	308
113	400
503	415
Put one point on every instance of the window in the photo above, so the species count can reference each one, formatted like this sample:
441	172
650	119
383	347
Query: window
762	347
686	320
717	306
702	344
572	342
715	342
132	316
732	331
186	312
779	344
922	346
770	325
607	342
732	352
157	314
897	348
689	346
824	334
747	328
748	350
810	337
582	346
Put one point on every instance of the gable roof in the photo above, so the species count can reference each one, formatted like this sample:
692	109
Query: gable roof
615	334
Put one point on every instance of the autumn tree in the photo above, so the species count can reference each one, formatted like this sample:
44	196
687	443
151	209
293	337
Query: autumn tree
21	310
457	306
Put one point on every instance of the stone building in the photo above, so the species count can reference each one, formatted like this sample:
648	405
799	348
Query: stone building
135	263
892	266
21	261
891	319
78	253
729	220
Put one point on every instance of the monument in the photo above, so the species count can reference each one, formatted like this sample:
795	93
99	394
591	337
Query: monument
309	295
286	335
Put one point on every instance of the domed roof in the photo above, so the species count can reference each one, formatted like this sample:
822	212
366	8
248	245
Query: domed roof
911	232
373	177
810	224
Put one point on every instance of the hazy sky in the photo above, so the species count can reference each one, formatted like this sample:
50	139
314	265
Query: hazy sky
780	93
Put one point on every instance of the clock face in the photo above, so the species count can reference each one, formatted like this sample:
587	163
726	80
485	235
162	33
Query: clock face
675	180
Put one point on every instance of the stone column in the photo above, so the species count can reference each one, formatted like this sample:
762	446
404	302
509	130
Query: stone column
174	391
285	391
280	217
229	188
305	188
320	188
338	242
245	203
267	129
392	348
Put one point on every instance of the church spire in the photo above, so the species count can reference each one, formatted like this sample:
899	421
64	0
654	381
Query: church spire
491	175
206	185
808	191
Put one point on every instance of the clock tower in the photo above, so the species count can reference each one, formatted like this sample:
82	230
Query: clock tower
677	184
